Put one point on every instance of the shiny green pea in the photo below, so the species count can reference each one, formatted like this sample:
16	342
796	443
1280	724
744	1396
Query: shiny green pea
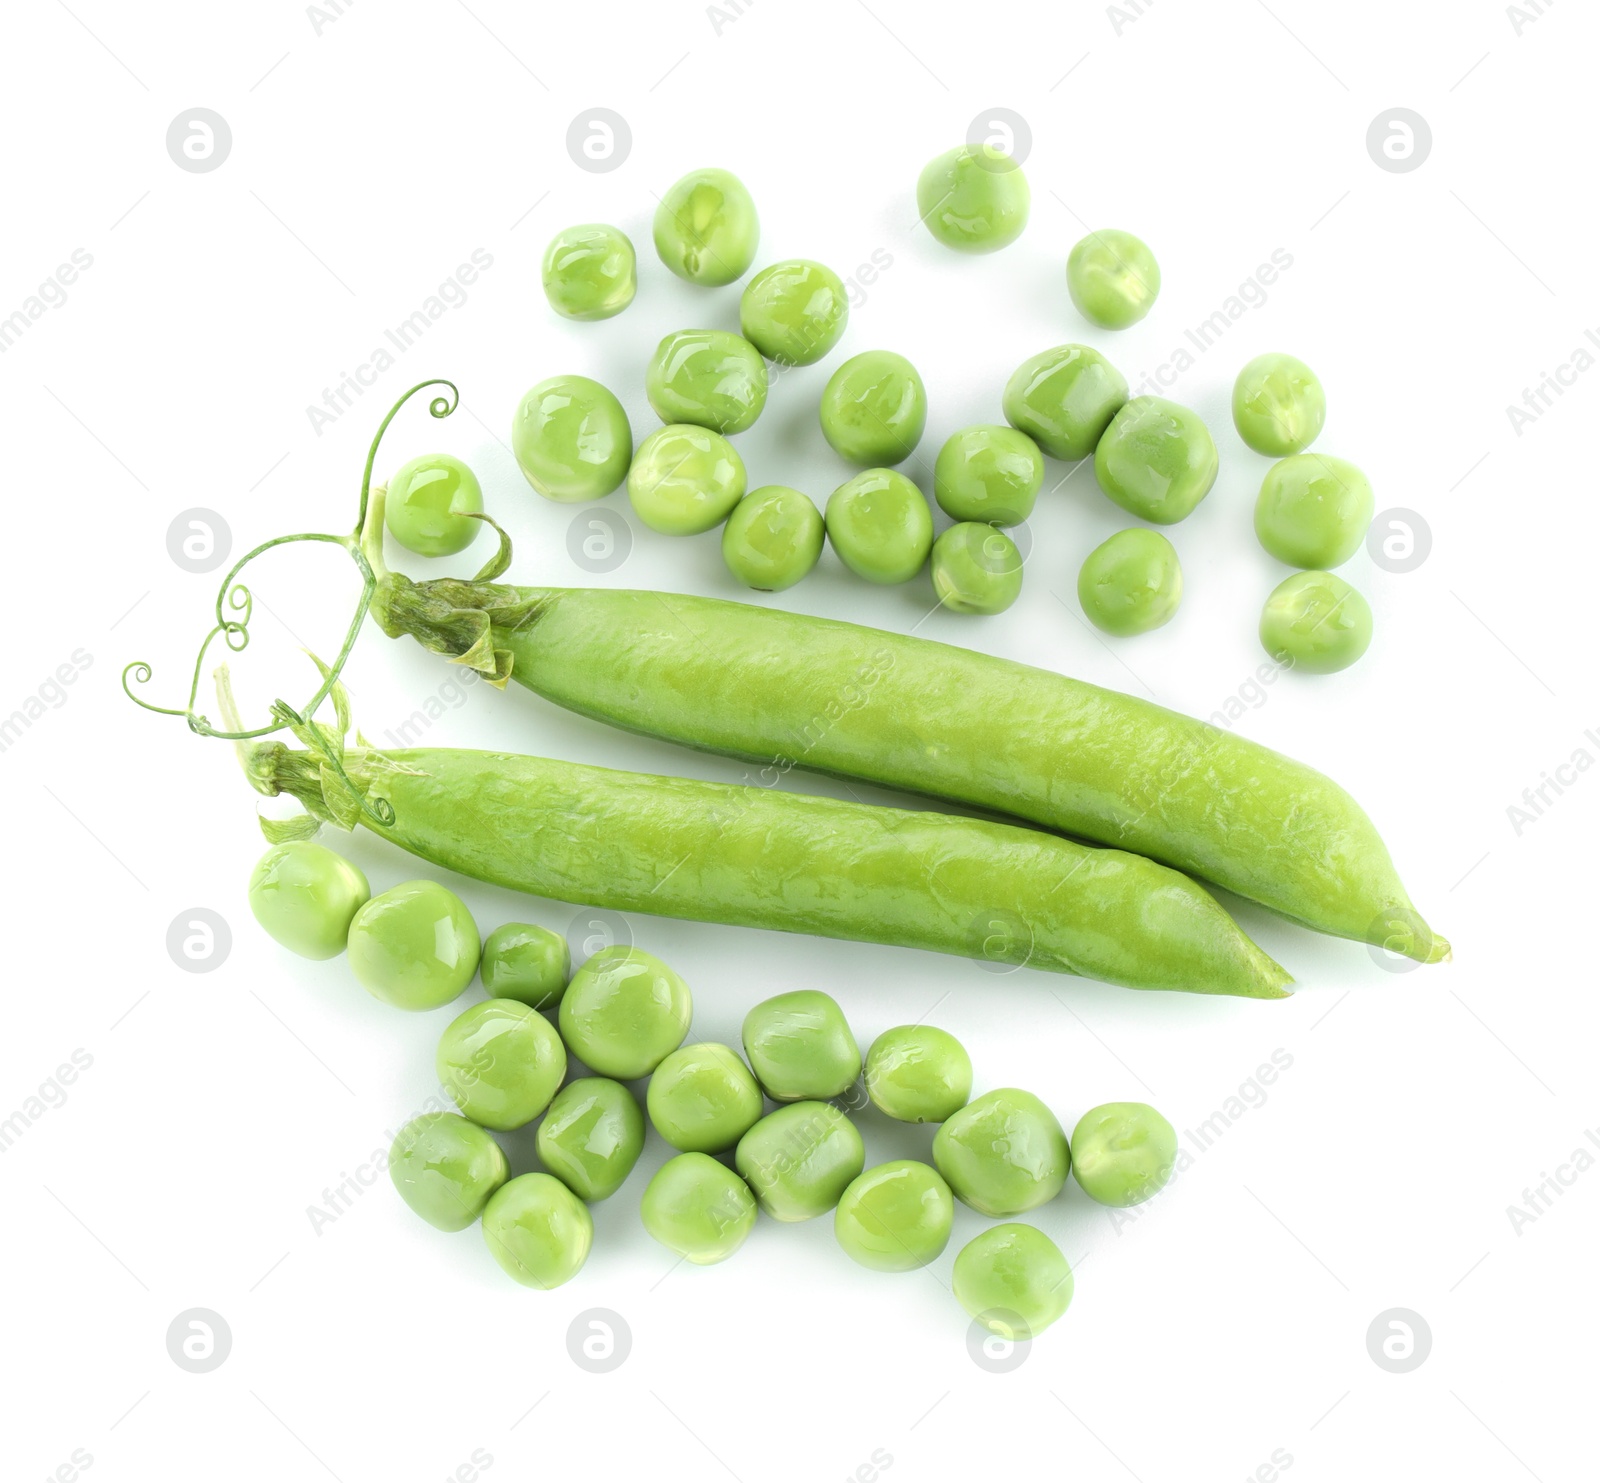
880	525
703	1099
706	229
988	473
1317	622
794	312
976	569
1113	279
525	962
1313	510
685	480
501	1063
874	409
430	504
1123	1153
625	1012
1064	399
538	1230
800	1159
1131	583
415	946
592	1136
800	1046
1278	405
1014	1280
773	538
445	1168
1003	1153
1156	460
305	897
974	199
707	377
918	1074
571	439
589	272
895	1217
698	1208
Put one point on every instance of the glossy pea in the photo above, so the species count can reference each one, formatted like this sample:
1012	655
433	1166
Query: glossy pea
703	1099
773	538
1064	399
1123	1152
976	569
698	1208
1003	1153
974	198
1316	622
708	377
589	272
874	408
592	1136
415	946
800	1159
918	1074
706	228
446	1168
800	1046
538	1230
1014	1280
501	1063
988	473
625	1012
794	312
1313	510
880	525
895	1217
430	504
305	897
1131	583
1278	404
1113	279
571	439
525	962
685	480
1157	460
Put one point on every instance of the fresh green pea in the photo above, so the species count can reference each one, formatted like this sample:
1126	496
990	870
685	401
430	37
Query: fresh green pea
773	538
881	526
538	1230
918	1074
1064	399
685	480
589	272
1003	1153
895	1217
446	1168
571	439
625	1012
800	1046
592	1136
988	473
974	199
1123	1152
1014	1280
706	229
794	312
1278	405
1313	511
976	568
708	377
1131	583
527	963
415	946
1113	278
698	1208
874	409
703	1099
430	503
305	896
501	1063
800	1159
1316	622
1156	460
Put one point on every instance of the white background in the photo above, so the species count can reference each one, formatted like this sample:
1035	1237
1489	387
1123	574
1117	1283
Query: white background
1226	1324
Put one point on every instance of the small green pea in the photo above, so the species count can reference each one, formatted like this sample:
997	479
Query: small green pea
415	946
1131	583
538	1230
773	538
874	409
881	526
429	505
1157	460
589	272
1064	399
703	1099
976	569
446	1168
698	1208
800	1159
592	1136
1014	1280
895	1217
625	1012
794	312
571	439
501	1063
1313	510
1317	622
525	962
800	1046
988	473
1278	405
1123	1152
974	198
685	480
706	229
708	377
305	897
1003	1153
1113	279
918	1074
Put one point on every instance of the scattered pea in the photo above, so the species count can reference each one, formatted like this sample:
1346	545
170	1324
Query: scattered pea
1316	622
794	312
1014	1280
895	1217
988	473
1313	510
415	946
501	1063
773	538
685	480
918	1074
880	525
1064	399
1113	279
429	505
976	568
1156	460
625	1012
974	198
706	229
446	1168
589	272
1278	405
305	896
800	1046
592	1136
698	1208
1131	583
800	1159
708	377
1123	1152
1003	1153
874	409
538	1230
703	1099
525	962
571	439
